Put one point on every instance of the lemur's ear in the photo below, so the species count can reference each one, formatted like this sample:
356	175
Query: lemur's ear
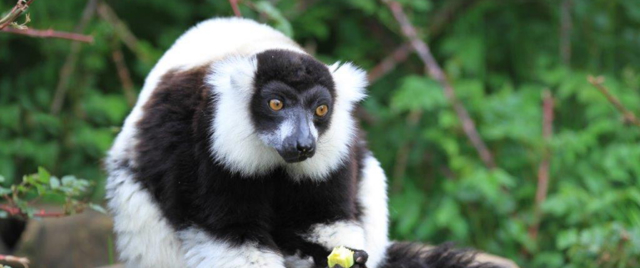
350	82
234	73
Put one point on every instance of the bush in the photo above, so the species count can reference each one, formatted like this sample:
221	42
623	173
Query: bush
500	57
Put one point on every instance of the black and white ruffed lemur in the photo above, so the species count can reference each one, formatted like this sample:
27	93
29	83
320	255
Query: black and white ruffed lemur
242	151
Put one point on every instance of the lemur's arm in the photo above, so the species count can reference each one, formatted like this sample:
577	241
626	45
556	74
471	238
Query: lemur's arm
369	232
203	251
234	233
372	195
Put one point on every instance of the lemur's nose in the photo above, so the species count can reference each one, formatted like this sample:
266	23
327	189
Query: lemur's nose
305	146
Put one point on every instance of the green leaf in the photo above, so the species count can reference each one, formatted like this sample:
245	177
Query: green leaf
4	191
54	183
418	93
281	23
97	208
43	175
567	238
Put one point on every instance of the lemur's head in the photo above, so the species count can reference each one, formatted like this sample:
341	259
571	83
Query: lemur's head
292	103
284	108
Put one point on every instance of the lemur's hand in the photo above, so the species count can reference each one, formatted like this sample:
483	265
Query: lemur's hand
360	258
343	257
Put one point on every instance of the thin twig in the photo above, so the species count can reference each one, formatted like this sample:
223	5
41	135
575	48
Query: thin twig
402	155
17	212
51	34
543	169
20	7
124	75
122	31
389	63
21	260
434	70
236	9
447	14
69	65
598	82
566	26
401	53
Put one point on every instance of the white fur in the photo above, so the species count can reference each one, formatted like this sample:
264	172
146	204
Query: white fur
275	139
314	130
203	251
145	238
341	233
298	261
236	144
373	198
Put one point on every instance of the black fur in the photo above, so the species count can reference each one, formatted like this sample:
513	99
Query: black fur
411	255
176	166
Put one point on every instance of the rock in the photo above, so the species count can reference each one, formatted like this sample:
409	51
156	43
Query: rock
86	240
82	240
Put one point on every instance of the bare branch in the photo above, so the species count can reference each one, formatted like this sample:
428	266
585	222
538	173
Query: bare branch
236	9
566	26
122	31
629	116
51	34
70	63
447	14
21	260
436	25
17	212
20	7
543	169
124	75
399	55
402	155
434	70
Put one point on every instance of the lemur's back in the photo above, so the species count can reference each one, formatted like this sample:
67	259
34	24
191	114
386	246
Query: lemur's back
217	38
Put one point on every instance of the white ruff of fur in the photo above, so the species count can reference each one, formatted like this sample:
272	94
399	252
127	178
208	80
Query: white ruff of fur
203	251
298	261
372	194
341	233
145	238
235	142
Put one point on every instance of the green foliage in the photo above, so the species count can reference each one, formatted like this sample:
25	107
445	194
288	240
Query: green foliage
499	55
42	185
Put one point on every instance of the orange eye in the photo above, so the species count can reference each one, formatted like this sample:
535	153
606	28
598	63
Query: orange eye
275	105
322	110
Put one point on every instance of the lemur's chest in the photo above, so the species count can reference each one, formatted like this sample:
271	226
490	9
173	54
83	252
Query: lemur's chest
313	202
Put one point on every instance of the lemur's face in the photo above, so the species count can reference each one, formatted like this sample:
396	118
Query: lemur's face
292	103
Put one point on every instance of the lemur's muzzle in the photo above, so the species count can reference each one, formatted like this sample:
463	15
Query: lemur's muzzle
301	143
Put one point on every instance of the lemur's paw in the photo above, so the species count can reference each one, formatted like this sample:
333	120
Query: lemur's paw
360	258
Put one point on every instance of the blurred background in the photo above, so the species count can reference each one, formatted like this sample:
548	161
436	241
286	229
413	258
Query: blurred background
556	186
